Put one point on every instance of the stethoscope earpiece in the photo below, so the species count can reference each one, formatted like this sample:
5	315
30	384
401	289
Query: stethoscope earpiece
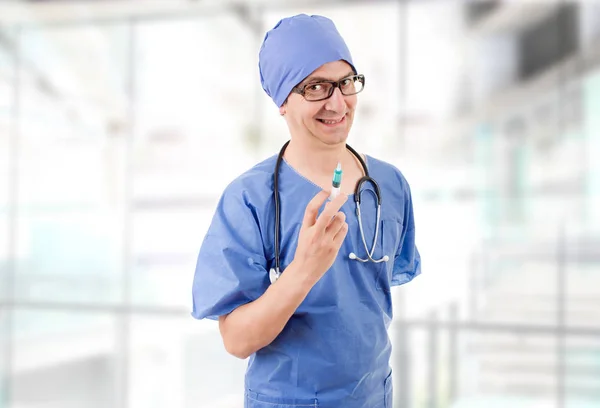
352	255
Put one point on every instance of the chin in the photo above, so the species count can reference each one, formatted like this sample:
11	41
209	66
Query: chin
331	136
333	139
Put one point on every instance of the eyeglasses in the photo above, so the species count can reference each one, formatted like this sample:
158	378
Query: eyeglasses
321	90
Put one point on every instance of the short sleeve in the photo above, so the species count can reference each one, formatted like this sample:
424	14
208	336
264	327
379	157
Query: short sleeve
407	264
231	267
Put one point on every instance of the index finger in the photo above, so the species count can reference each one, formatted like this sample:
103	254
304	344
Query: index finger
330	210
312	209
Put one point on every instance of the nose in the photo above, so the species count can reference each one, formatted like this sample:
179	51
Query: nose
336	102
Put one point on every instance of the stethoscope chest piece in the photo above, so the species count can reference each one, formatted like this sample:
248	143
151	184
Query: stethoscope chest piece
274	274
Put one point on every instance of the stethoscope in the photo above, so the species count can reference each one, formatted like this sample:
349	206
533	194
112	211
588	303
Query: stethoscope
275	272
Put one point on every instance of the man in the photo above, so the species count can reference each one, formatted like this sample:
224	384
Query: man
316	333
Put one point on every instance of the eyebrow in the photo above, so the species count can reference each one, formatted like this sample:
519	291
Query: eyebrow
317	78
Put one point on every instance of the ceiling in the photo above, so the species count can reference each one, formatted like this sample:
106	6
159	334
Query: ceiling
60	11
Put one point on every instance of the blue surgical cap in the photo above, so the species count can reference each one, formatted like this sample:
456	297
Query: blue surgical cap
294	48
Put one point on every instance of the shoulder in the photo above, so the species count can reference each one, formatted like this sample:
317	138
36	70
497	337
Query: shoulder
383	171
396	196
252	188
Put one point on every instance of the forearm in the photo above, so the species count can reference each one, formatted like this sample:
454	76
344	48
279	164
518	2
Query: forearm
254	325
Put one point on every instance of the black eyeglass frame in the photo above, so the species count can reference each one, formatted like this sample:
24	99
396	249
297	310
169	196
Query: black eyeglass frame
334	84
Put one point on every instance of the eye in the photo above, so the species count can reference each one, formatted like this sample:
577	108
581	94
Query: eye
315	87
346	82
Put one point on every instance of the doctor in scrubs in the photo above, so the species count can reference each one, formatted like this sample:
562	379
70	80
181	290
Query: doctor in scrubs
317	335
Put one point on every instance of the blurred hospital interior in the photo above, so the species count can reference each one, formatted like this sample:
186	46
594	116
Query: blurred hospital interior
122	121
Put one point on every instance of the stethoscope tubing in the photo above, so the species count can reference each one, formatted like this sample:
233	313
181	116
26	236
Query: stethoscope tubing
276	271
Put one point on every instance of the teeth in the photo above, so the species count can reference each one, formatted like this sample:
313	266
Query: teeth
331	122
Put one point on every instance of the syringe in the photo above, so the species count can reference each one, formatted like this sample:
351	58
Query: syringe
336	183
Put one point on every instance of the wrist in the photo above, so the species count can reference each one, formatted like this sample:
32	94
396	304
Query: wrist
302	275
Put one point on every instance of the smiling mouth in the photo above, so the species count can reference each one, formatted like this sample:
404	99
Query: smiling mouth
332	122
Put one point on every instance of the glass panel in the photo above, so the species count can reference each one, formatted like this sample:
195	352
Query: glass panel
467	369
449	366
436	152
181	363
590	96
581	371
6	133
493	205
580	272
165	252
506	131
73	117
192	123
64	360
4	338
510	369
582	242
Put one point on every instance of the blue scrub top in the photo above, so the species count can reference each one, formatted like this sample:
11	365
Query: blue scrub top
335	350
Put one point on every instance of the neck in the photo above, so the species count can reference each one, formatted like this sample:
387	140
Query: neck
319	160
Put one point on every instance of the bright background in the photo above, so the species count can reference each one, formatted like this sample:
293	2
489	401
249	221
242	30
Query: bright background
122	121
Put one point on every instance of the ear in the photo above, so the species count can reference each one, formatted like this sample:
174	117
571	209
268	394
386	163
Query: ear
282	110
